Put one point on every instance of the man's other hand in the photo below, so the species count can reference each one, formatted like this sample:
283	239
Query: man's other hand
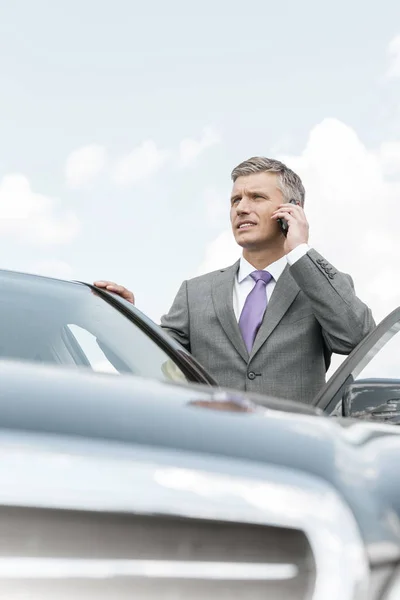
110	286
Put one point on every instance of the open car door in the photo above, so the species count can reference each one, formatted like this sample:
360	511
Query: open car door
367	383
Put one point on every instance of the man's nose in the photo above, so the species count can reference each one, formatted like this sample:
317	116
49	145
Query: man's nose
243	206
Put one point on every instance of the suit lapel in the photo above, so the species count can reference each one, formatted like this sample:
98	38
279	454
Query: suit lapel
222	294
282	297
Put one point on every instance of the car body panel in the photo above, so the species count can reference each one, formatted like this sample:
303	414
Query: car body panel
165	418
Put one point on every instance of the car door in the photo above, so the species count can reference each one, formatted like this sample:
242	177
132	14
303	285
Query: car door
367	383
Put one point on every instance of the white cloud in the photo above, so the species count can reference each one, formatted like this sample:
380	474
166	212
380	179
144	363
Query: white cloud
393	70
220	253
30	216
353	211
217	206
141	163
84	165
389	156
190	149
53	268
145	160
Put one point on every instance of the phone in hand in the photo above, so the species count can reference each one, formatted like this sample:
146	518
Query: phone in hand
284	225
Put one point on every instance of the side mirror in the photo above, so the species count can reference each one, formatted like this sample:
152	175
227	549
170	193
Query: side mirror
373	400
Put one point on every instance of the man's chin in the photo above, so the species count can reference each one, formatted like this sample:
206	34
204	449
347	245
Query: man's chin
244	238
248	242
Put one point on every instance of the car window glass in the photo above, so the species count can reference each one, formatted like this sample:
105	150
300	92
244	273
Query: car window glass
88	343
385	363
379	362
68	324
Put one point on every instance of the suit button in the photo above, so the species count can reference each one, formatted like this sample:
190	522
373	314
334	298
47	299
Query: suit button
251	375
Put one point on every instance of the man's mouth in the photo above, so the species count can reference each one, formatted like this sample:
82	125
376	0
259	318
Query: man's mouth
246	225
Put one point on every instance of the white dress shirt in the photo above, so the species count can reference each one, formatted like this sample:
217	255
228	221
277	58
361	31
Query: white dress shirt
244	283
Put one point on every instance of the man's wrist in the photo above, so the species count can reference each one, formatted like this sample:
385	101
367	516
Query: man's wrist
297	253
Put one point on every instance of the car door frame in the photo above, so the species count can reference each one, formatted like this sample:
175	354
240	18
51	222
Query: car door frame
332	393
193	370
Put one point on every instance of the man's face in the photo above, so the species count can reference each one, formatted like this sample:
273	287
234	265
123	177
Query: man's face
254	198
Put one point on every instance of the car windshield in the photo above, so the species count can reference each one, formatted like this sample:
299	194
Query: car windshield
61	323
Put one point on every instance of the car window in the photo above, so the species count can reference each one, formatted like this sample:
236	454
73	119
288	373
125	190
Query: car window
385	362
69	324
377	365
89	345
375	358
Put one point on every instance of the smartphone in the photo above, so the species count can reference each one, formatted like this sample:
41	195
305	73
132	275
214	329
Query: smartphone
283	223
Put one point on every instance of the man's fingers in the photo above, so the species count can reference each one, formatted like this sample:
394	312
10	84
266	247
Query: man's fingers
101	284
110	286
291	209
290	212
124	293
118	289
282	215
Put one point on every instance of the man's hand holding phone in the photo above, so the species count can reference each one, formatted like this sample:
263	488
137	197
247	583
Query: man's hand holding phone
297	230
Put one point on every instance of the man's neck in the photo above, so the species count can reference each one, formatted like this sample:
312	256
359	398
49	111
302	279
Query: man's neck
261	259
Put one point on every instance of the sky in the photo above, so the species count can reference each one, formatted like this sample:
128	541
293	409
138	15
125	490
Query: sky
121	122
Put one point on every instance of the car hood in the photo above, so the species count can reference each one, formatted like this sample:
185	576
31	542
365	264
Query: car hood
358	459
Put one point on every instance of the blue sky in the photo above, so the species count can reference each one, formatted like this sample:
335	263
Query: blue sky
121	122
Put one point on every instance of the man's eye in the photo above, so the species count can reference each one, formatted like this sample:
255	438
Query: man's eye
236	200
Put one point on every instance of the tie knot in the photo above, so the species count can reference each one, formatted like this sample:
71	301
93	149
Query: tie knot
261	276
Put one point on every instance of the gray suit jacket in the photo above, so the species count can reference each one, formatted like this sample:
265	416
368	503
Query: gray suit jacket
313	311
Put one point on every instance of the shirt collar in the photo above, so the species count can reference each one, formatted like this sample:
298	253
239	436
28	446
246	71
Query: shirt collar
276	268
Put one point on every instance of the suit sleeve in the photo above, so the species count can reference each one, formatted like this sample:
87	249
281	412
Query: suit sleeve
176	322
344	318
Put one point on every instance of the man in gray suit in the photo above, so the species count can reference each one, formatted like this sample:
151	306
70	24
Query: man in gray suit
270	322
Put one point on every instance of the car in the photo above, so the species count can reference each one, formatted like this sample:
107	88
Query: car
124	487
75	324
162	485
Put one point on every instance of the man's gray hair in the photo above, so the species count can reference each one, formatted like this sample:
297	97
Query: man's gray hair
288	181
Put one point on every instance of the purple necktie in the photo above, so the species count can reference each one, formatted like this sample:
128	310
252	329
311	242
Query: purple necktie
254	308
